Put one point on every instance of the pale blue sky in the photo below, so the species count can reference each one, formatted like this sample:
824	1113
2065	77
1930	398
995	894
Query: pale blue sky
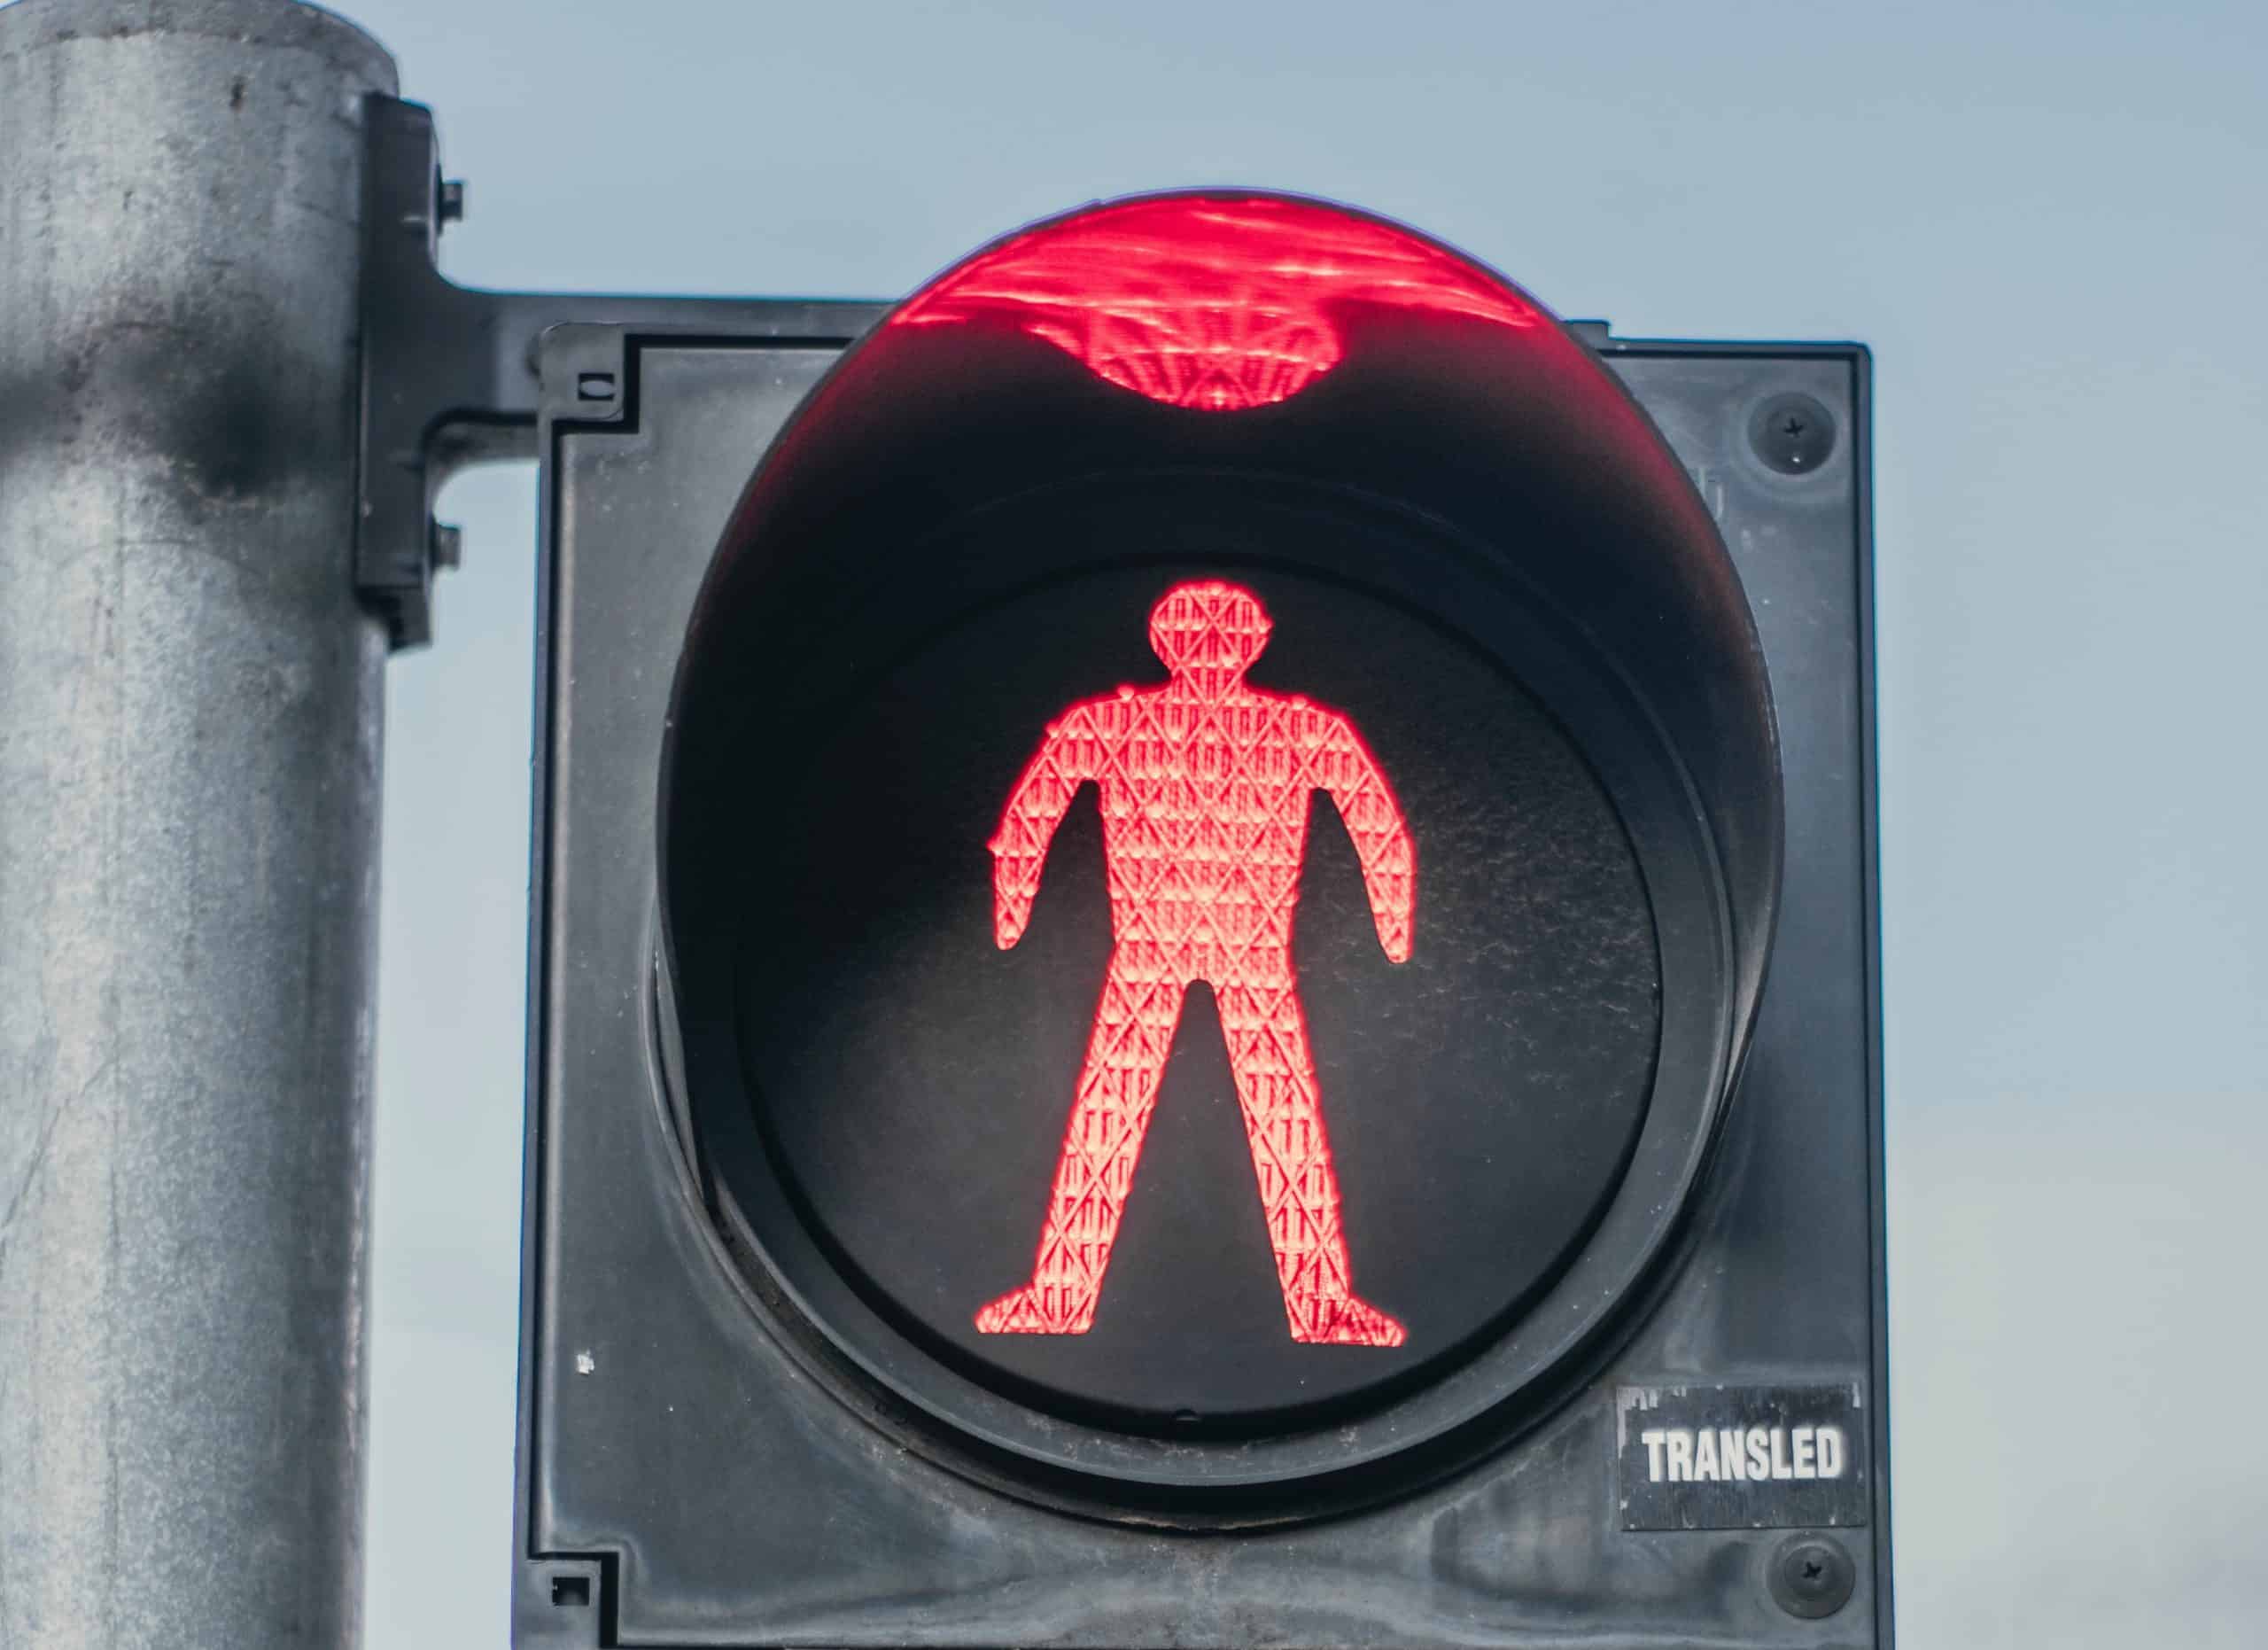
2046	220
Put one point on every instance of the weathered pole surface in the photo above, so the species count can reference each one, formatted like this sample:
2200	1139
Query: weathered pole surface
190	703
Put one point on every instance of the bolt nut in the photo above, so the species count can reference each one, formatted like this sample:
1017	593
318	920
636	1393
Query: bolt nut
449	545
452	199
1813	1575
1792	432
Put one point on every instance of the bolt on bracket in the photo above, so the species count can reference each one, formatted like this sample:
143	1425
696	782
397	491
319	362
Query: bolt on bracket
449	372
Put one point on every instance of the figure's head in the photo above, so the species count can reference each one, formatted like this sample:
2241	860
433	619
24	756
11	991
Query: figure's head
1208	632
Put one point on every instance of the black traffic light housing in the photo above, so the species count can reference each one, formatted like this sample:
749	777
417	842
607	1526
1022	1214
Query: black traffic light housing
1603	619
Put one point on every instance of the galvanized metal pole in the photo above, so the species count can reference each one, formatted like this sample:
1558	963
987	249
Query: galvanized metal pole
188	792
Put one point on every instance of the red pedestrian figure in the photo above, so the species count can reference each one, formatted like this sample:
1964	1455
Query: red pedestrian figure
1205	784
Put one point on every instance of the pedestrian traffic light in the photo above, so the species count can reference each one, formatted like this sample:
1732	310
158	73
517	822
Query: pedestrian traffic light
1154	883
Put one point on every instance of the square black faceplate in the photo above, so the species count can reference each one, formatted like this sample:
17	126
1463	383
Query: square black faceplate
683	1479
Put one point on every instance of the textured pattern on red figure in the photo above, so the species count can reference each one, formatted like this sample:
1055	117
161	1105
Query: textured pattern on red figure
1207	301
1205	784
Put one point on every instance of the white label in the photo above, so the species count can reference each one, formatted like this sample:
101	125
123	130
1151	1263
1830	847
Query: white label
1729	1455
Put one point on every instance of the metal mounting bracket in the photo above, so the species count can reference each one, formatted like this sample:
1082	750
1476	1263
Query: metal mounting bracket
449	372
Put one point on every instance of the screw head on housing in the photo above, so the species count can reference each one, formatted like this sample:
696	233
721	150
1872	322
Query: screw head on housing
1813	1575
1792	434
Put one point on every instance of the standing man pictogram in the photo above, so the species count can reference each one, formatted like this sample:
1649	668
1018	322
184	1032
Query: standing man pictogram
1205	785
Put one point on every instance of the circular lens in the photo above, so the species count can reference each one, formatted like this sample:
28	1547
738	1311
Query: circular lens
1213	910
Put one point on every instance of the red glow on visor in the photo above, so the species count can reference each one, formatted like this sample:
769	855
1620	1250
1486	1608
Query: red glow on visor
1213	302
1205	784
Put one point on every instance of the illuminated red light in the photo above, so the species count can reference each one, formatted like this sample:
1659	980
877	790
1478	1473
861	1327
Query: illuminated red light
1216	302
1205	787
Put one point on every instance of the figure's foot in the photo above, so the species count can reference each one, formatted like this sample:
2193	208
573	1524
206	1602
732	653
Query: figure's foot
1348	1322
1035	1310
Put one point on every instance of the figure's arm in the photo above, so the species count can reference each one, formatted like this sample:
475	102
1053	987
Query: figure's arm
1374	816
1036	807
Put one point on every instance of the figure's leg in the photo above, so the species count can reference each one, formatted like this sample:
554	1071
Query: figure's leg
1117	1088
1298	1191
